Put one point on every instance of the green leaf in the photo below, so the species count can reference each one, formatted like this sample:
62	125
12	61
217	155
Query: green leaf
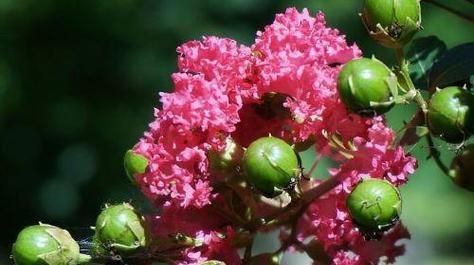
455	65
423	53
134	163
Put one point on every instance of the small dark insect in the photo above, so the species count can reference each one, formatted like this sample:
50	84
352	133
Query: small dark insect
395	30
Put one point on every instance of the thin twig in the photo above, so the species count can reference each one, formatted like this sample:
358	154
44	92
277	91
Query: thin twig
452	10
309	174
308	197
248	251
323	187
404	71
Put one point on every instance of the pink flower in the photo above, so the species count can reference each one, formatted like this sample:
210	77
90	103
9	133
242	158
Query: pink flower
223	61
386	249
299	56
212	235
221	90
327	218
192	121
346	258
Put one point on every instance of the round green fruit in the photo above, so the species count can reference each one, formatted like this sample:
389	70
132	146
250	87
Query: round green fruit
462	168
46	245
392	22
120	229
271	165
363	86
451	114
374	205
134	164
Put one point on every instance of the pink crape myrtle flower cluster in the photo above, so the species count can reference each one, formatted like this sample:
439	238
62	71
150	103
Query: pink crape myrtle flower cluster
216	88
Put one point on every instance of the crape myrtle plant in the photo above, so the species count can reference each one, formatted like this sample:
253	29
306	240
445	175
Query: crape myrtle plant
221	160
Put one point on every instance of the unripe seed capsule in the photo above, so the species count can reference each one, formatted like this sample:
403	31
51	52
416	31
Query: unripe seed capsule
392	22
271	165
46	245
120	229
134	164
462	168
363	86
374	205
451	114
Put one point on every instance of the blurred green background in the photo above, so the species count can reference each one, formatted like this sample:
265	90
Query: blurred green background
79	80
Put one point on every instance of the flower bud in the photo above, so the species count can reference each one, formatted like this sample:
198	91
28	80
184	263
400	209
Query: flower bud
46	245
363	86
462	168
271	165
120	229
133	164
374	205
451	114
226	160
392	23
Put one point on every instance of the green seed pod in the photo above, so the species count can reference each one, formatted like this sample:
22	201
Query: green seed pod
363	85
228	159
134	164
46	245
120	229
451	114
462	168
271	165
392	23
374	205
